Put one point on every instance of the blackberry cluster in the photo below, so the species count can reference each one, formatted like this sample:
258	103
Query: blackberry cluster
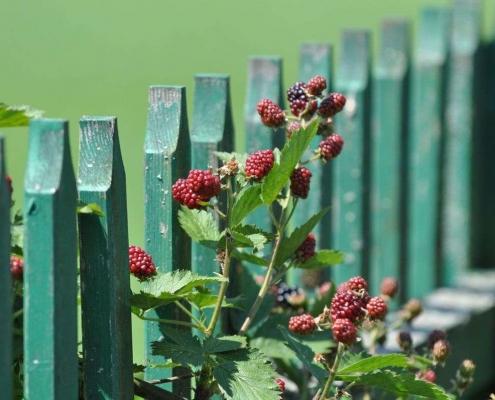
356	283
349	305
377	308
344	331
199	187
299	182
271	114
307	249
331	105
316	85
297	97
331	146
259	164
302	324
287	296
141	264
16	267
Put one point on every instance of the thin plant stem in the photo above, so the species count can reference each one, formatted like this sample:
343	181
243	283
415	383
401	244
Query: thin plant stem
333	372
226	267
267	282
202	327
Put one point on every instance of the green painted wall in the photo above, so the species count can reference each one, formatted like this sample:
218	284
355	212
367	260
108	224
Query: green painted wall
99	57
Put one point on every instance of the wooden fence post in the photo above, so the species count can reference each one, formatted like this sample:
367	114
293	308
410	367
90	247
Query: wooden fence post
389	130
167	158
50	281
264	81
425	147
315	59
212	130
350	210
456	229
5	282
105	289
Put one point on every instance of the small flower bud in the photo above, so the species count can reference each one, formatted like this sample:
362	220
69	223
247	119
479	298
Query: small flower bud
435	336
389	287
412	309
467	368
441	350
404	340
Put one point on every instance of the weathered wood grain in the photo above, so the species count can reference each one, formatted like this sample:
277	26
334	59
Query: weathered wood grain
167	158
104	274
50	281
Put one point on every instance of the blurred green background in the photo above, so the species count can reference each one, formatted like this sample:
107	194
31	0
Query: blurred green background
74	58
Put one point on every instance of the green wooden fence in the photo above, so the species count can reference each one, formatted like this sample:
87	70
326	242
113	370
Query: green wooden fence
405	198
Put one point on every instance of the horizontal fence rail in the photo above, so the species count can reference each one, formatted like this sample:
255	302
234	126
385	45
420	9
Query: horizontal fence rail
405	198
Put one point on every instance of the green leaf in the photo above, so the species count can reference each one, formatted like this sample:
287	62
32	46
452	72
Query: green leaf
293	241
209	300
142	301
322	259
179	282
305	354
292	152
13	116
250	258
200	226
91	208
245	374
403	384
180	346
222	344
246	201
372	363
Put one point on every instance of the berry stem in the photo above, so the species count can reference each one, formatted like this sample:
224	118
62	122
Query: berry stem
333	371
226	267
191	315
267	282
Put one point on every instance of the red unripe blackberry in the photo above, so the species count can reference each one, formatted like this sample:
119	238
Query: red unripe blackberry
389	287
316	85
377	308
306	250
271	114
441	350
434	336
302	324
429	375
8	179
292	127
259	164
16	267
347	304
204	183
281	384
299	182
331	146
141	264
344	331
357	283
331	105
183	193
